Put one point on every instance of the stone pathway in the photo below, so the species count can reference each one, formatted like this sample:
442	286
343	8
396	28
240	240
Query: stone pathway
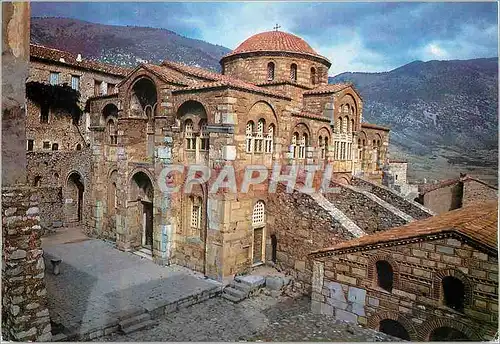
99	284
261	317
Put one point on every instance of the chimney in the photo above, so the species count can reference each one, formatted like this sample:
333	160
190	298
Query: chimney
79	58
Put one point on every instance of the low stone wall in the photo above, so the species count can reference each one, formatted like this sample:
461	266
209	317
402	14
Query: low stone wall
368	215
415	210
301	226
25	316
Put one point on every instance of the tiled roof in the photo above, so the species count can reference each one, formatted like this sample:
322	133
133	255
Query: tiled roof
312	116
163	73
425	188
477	222
274	41
329	88
373	126
56	55
215	80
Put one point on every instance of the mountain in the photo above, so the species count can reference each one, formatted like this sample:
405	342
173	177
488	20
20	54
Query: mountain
443	115
124	45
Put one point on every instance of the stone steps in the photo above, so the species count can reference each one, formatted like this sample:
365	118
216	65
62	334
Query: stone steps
242	287
136	322
144	252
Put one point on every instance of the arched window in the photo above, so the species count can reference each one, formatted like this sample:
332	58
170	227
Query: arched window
351	129
385	275
196	207
293	72
313	75
338	125
325	153
270	71
302	147
189	135
258	214
55	146
453	293
393	328
113	138
78	147
204	135
270	139
344	124
322	143
249	136
259	136
293	146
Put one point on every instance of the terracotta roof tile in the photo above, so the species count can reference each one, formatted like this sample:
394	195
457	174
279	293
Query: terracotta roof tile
163	73
478	222
313	116
56	55
274	41
374	126
216	80
329	88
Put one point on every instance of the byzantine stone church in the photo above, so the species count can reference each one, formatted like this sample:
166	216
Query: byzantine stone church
272	103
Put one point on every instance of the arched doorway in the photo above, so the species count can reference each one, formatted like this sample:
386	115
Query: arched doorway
393	328
141	215
74	199
112	203
453	293
447	334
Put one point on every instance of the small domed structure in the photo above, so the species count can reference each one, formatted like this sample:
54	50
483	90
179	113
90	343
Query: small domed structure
276	56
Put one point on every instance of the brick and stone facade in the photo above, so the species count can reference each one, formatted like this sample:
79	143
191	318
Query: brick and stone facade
443	279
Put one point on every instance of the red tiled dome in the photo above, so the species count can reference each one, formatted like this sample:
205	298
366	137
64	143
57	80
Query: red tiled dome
274	41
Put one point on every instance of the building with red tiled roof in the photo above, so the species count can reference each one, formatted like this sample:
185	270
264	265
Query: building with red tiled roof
430	280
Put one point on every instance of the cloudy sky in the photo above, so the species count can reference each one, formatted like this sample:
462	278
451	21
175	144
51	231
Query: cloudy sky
365	37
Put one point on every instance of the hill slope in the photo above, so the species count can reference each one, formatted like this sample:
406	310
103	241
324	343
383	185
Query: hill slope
442	113
124	45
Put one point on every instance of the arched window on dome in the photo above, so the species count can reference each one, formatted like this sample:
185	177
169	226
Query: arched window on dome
270	71
270	139
313	76
293	72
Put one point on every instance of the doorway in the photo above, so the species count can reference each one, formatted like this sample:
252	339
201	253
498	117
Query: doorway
147	224
75	189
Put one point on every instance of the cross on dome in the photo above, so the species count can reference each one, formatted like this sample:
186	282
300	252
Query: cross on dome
277	27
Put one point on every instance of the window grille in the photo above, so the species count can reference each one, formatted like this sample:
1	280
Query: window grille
75	82
204	136
195	216
270	139
270	71
293	73
190	138
258	215
259	137
249	137
54	78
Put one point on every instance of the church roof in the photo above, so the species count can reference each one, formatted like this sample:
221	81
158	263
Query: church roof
328	88
275	41
477	222
374	126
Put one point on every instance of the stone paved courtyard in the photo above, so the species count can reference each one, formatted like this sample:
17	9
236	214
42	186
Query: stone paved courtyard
99	283
261	317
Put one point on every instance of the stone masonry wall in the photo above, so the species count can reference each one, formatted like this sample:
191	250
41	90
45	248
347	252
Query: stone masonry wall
474	191
25	316
300	226
415	210
443	199
368	215
345	285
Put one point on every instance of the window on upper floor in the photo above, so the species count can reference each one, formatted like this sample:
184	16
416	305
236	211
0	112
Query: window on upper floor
385	275
97	87
75	82
204	135
293	72
46	145
78	147
111	88
313	76
249	137
54	78
55	146
44	113
30	144
189	135
259	136
270	71
259	214
270	139
453	293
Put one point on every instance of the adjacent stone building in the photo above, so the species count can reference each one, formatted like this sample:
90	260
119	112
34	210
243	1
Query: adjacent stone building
455	193
433	279
58	148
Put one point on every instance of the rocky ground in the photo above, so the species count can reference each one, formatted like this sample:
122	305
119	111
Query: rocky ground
259	318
